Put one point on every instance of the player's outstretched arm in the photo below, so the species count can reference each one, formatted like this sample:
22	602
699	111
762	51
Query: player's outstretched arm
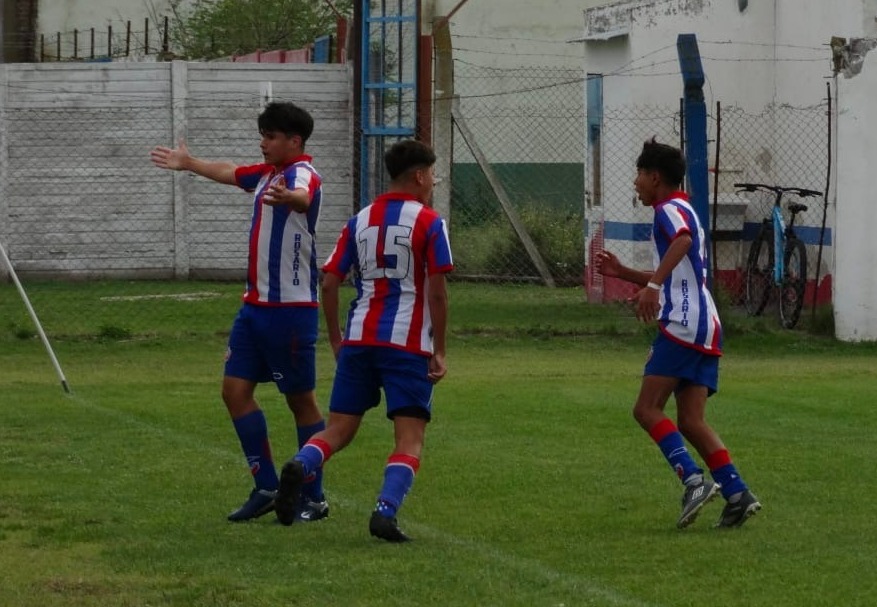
179	159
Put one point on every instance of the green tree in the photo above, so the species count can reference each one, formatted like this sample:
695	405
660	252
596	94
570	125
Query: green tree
209	29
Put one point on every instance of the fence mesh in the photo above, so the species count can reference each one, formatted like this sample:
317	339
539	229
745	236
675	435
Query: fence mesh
105	212
616	219
783	145
518	175
68	216
532	193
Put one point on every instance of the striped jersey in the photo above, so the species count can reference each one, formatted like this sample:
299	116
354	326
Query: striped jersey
282	259
688	313
392	246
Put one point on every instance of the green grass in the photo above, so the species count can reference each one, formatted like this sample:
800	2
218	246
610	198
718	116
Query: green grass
536	488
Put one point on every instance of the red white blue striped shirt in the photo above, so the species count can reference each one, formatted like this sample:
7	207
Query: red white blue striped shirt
688	313
282	261
392	246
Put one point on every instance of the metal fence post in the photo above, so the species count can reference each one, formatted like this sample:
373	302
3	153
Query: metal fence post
179	94
4	165
695	127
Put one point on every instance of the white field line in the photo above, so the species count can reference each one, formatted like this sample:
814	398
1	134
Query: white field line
583	590
177	296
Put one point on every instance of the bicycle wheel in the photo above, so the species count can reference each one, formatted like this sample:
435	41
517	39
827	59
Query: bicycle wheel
794	282
759	272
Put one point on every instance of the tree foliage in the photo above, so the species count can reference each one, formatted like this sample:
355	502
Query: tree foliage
209	29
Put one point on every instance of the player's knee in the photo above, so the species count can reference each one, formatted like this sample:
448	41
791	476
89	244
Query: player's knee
690	426
645	415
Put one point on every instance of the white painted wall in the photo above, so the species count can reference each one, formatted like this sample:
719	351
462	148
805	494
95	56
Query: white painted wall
855	286
517	33
62	17
67	15
501	48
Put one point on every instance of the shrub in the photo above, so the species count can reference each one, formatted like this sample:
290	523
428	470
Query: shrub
494	250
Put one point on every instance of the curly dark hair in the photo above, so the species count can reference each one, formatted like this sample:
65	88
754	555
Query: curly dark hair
665	159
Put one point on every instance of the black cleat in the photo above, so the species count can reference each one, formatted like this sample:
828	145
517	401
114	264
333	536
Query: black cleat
386	528
734	515
696	497
288	497
260	503
310	511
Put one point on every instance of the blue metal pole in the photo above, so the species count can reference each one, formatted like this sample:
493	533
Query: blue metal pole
695	128
365	105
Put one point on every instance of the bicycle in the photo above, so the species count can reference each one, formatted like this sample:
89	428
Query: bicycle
777	258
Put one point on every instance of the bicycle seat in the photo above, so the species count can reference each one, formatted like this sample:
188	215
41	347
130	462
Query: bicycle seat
796	207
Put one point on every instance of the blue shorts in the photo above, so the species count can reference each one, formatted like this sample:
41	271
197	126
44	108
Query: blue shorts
274	344
692	367
363	370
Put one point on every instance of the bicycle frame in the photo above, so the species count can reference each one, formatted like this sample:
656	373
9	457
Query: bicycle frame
780	264
779	242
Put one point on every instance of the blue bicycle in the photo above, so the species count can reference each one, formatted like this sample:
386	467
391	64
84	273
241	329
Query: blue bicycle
777	258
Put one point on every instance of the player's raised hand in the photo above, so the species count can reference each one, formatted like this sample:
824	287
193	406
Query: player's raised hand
607	264
170	158
276	192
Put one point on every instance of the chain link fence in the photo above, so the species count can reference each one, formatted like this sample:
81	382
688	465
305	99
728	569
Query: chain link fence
78	191
533	191
90	224
517	213
782	145
618	221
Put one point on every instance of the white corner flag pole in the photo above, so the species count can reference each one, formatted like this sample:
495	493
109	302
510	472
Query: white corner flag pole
36	320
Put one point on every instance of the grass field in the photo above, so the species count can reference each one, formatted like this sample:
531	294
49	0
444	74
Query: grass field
537	487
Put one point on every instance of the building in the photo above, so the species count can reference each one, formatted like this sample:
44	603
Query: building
766	61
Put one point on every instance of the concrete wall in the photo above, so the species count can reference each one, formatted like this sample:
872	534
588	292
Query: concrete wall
855	287
80	198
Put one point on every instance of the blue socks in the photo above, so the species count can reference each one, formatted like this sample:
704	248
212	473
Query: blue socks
672	445
725	473
313	487
252	430
398	478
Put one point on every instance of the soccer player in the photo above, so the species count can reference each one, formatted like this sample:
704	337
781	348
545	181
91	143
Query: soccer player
274	334
398	252
684	358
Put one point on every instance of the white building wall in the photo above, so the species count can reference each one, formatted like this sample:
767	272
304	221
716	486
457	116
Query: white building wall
85	29
504	53
633	45
772	54
855	286
515	33
66	15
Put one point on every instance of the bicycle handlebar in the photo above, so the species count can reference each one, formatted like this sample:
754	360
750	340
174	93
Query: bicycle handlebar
751	187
